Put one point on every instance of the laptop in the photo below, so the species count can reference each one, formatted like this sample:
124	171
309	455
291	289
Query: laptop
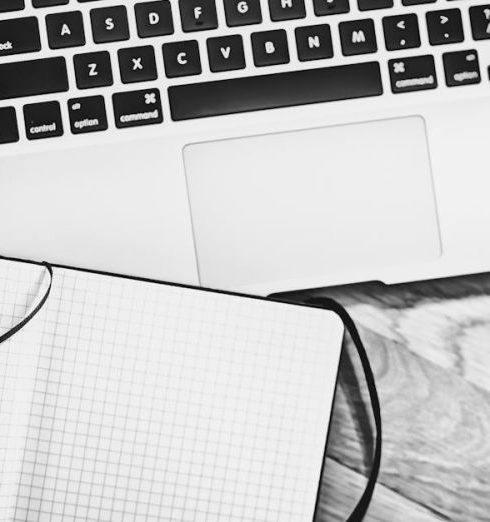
253	145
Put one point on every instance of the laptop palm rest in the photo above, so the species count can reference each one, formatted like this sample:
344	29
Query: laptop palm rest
296	205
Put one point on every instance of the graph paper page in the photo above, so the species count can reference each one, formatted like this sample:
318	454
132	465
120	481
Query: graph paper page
153	402
20	286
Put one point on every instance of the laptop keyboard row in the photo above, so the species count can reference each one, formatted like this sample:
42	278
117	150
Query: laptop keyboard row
185	58
64	30
237	12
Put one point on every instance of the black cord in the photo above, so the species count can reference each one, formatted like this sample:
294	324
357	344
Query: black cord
329	304
34	312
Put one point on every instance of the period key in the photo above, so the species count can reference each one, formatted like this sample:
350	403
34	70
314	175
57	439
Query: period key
137	108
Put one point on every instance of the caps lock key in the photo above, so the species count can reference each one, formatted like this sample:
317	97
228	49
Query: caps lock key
20	35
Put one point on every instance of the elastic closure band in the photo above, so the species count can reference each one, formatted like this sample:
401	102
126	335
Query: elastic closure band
35	310
329	304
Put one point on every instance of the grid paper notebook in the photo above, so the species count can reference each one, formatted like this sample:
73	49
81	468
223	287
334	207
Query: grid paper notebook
137	401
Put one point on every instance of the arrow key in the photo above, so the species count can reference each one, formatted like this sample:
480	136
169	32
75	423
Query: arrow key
401	32
445	26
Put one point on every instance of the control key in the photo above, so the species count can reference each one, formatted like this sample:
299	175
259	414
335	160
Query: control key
43	120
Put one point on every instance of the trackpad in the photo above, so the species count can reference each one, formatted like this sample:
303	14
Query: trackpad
311	204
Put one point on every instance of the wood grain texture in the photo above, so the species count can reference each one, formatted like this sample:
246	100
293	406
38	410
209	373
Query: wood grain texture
341	489
429	345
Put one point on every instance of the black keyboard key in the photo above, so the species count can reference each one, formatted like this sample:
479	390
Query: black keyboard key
11	5
314	42
93	70
480	22
416	73
369	5
198	15
461	68
154	19
286	9
401	32
270	48
48	3
417	2
30	78
358	37
43	120
331	7
242	12
226	53
87	114
272	91
445	26
182	59
19	35
137	64
110	24
137	108
65	30
9	131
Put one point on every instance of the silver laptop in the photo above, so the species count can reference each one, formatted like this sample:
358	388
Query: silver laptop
255	145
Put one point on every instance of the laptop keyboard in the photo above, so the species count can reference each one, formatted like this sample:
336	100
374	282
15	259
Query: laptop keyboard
87	50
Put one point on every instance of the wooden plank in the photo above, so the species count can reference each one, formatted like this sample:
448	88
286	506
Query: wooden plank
429	344
445	321
436	430
342	488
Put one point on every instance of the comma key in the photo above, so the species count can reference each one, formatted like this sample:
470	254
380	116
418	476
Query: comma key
137	108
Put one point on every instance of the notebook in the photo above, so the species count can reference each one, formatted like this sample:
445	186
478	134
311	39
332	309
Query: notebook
133	400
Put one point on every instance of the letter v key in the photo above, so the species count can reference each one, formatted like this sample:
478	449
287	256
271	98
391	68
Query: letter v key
225	51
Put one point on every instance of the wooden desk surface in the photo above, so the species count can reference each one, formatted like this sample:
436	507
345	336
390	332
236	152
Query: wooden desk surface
429	346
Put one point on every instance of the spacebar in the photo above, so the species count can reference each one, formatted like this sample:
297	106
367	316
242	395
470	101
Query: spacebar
271	91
